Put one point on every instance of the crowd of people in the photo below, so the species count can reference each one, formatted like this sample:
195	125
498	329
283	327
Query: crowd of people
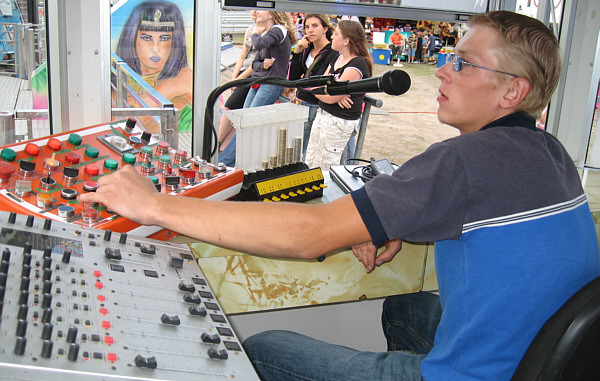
319	45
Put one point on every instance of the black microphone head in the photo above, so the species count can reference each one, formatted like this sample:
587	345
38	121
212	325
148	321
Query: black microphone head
395	82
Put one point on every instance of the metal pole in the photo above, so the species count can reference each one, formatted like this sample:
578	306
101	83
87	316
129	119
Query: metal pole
7	127
121	81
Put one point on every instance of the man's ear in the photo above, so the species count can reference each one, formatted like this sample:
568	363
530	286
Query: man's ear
516	91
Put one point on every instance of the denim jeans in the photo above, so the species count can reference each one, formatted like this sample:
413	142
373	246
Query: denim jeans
409	323
312	113
264	95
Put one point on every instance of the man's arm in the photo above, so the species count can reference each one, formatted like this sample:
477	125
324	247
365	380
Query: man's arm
286	230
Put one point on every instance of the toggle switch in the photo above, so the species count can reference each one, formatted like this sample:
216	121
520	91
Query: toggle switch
145	362
210	339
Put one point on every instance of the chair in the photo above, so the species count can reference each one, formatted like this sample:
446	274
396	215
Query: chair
568	345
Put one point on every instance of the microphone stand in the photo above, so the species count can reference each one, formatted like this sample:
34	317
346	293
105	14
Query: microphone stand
208	147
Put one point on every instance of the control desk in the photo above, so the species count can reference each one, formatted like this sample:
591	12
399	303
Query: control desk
79	303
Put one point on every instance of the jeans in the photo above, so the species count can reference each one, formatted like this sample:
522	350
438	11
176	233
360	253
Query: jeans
264	95
409	323
312	113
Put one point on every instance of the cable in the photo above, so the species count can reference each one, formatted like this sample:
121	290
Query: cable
366	172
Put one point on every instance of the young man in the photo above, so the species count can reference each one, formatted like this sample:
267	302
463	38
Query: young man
514	237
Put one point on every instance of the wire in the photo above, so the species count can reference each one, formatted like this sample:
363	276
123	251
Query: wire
366	172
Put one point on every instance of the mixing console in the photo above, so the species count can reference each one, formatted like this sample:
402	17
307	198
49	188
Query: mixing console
44	176
79	303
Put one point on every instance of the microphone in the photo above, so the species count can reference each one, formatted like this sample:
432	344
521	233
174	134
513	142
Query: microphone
394	82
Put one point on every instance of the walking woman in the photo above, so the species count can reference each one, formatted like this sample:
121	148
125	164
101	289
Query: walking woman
338	115
271	60
312	56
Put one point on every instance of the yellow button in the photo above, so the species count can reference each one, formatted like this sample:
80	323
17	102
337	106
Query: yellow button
316	187
292	194
308	189
266	200
300	191
275	198
284	196
323	186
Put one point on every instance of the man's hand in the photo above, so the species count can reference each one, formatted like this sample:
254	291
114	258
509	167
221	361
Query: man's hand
367	253
127	193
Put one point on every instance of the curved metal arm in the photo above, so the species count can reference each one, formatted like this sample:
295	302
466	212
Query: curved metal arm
209	146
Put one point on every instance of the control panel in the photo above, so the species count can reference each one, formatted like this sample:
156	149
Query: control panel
79	303
44	176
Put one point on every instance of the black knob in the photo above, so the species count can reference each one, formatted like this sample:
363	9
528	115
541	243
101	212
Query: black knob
210	339
47	331
123	238
47	224
12	217
189	298
107	234
187	287
112	254
4	267
47	349
29	221
47	287
27	259
27	248
47	263
23	297
220	354
6	254
47	315
22	314
47	252
197	311
170	320
46	301
20	346
24	283
26	271
3	279
47	274
143	362
73	352
72	334
21	328
66	258
2	292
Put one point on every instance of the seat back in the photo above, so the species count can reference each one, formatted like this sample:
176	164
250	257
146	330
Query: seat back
568	345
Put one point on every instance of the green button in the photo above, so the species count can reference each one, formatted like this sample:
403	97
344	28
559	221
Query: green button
154	179
147	150
8	154
92	152
165	158
75	139
129	158
111	164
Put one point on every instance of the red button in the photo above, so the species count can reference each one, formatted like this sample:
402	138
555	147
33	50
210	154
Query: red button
163	145
105	324
108	340
112	357
99	285
6	170
54	144
72	157
101	298
188	173
97	273
91	169
103	311
32	149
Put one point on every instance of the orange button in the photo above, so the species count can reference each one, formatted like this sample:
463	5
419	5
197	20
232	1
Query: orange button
112	357
101	298
108	340
54	144
105	324
32	149
103	311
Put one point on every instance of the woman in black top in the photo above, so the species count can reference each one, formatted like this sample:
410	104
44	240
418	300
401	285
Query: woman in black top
311	56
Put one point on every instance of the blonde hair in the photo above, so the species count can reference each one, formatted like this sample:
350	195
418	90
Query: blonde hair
528	49
283	18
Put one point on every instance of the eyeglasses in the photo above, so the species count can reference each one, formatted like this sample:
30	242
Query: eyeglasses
457	63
